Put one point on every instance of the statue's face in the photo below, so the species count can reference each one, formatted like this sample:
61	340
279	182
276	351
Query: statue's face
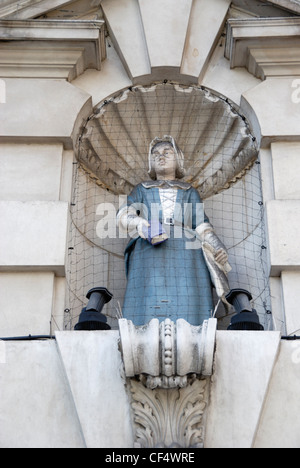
164	160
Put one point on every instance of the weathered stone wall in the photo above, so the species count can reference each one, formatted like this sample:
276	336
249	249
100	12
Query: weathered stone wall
72	392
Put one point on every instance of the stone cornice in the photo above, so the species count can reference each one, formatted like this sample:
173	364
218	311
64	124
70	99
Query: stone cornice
265	46
290	5
50	48
26	9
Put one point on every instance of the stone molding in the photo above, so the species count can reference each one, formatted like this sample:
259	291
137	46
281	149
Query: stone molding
265	63
57	49
265	46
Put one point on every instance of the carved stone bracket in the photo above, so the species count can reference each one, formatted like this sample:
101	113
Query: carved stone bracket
166	353
168	367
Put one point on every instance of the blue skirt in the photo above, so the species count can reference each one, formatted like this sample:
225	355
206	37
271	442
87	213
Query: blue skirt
169	280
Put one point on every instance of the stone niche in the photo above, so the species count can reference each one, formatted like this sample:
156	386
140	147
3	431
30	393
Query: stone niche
220	161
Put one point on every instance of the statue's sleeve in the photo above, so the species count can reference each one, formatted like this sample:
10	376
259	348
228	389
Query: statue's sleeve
198	213
211	244
130	215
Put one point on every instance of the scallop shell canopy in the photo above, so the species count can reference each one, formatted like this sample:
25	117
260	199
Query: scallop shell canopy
215	139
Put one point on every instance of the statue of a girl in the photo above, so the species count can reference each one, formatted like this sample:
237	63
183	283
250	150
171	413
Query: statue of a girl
174	257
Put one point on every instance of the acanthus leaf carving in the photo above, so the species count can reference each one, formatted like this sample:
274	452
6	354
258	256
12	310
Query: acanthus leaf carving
170	418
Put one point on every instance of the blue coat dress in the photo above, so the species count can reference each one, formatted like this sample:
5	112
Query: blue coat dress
170	280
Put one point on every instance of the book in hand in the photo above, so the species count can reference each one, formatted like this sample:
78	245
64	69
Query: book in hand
155	234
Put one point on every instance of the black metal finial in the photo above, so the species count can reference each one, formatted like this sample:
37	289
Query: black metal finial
246	318
91	317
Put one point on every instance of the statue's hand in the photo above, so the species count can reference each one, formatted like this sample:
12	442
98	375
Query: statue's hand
141	225
221	257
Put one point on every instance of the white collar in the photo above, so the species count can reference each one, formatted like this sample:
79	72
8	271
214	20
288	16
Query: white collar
166	184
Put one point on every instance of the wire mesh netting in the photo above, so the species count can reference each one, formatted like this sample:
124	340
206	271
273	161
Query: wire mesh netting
220	161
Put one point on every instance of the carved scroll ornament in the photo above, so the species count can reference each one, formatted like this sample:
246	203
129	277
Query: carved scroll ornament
165	354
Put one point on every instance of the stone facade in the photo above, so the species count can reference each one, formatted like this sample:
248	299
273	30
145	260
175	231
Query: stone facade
53	72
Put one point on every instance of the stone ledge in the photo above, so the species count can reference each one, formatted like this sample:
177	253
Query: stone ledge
83	372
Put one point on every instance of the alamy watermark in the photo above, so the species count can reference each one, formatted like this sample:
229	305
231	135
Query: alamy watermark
2	92
2	352
184	217
296	92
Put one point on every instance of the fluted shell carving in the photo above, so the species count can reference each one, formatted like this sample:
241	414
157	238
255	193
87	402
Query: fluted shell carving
213	136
